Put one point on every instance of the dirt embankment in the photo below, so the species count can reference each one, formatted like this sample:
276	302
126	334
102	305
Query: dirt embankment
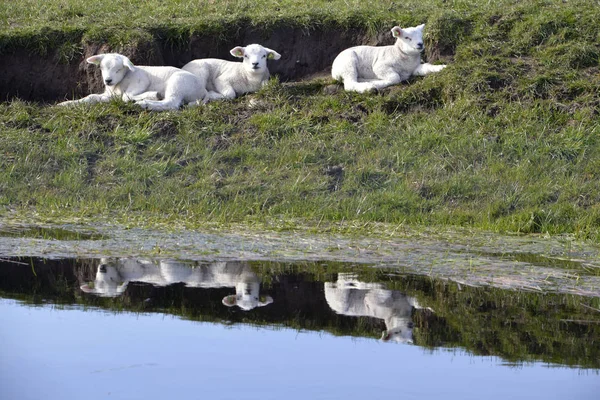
304	53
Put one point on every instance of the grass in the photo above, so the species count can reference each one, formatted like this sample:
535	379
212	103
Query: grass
35	23
505	139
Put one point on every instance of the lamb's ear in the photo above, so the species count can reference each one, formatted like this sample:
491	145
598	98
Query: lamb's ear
265	300
397	32
230	300
272	54
127	62
237	51
95	59
86	288
420	27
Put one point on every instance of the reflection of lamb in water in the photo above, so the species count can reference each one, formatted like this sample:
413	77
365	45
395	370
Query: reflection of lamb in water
228	274
349	296
113	275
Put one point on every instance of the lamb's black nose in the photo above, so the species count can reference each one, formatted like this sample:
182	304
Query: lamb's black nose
108	81
419	45
102	269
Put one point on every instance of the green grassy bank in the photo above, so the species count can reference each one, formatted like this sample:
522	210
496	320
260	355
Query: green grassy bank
505	139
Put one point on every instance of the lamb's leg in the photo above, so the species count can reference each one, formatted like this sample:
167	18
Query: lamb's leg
170	103
389	79
142	96
223	89
360	87
92	98
385	76
189	88
214	96
426	68
345	69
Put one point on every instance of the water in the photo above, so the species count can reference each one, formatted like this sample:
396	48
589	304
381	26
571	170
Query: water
151	328
72	354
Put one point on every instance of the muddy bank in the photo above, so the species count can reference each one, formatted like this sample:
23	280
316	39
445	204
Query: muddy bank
532	263
33	77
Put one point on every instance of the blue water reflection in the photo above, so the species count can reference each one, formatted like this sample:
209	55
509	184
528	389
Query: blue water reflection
72	353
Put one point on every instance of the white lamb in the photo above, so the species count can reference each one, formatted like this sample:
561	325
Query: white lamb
113	276
227	79
220	274
349	296
144	84
365	68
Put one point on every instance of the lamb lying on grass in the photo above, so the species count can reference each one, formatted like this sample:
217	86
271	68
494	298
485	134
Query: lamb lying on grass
227	79
364	68
143	84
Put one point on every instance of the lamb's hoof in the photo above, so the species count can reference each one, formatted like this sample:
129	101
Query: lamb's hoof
368	90
364	87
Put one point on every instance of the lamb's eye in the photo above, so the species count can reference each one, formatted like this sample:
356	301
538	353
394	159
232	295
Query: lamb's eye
245	56
407	38
264	56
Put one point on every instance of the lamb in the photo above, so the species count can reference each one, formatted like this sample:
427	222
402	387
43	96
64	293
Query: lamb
227	79
220	274
365	68
349	296
143	84
113	276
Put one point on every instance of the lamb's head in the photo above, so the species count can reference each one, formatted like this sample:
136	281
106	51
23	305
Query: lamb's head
108	282
399	330
247	303
410	40
247	296
114	67
255	57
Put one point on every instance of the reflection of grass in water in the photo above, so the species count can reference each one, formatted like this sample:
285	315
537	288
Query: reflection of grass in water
516	326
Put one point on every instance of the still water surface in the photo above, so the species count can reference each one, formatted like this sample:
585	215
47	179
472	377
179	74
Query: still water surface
145	329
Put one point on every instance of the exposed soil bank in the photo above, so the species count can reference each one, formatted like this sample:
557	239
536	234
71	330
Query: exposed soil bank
33	77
